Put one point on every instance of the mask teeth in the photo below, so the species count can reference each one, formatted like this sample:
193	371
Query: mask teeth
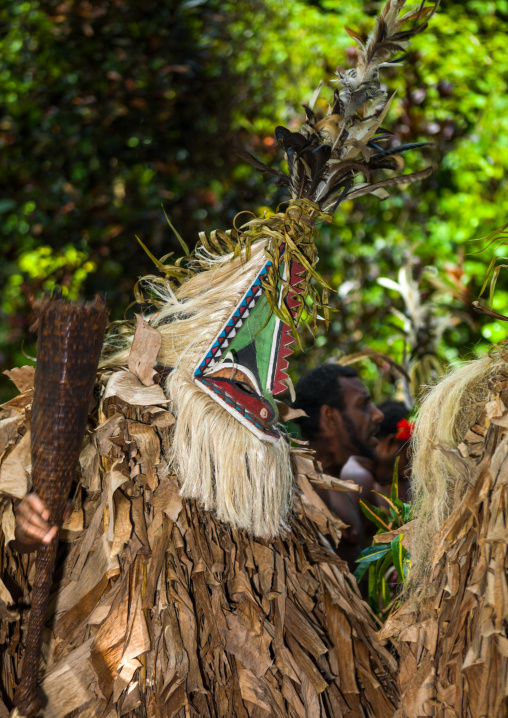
278	385
285	341
292	302
282	363
285	352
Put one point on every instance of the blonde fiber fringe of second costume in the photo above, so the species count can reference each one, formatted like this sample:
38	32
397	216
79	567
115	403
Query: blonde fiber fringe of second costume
450	408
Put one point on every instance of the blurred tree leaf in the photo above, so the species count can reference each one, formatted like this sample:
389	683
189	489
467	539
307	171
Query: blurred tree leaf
113	107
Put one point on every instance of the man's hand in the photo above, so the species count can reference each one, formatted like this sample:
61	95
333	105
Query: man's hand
32	528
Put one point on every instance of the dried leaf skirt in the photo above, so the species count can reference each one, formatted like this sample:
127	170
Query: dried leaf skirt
159	610
454	648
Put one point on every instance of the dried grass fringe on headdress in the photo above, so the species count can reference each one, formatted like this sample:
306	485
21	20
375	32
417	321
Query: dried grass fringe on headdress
221	464
447	412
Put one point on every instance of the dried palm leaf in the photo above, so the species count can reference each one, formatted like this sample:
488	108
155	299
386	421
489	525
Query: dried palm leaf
162	609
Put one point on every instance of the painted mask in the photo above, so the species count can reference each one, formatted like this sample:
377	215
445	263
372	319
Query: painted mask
244	367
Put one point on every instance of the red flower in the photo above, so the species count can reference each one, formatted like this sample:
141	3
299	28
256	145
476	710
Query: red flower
405	429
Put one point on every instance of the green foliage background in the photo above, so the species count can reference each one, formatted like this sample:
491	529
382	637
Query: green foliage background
112	107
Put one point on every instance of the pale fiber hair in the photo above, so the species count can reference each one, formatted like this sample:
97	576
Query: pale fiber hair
246	482
447	412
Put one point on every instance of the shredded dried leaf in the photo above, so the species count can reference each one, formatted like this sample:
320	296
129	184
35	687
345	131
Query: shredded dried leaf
157	604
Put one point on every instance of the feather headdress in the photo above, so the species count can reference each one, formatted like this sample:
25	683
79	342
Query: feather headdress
327	154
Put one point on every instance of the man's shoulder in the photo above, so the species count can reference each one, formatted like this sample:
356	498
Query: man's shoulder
358	469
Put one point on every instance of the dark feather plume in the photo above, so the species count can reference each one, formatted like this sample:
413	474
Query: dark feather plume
328	153
251	160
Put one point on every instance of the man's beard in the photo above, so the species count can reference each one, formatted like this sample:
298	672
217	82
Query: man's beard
362	449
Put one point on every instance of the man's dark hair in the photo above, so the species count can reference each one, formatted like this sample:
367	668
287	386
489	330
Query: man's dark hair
318	387
394	411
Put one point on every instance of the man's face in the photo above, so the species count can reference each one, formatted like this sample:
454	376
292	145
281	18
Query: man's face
360	418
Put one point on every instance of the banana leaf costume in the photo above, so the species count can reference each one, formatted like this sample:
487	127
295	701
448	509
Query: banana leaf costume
452	632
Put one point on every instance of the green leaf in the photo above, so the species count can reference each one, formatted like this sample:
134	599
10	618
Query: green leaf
398	554
390	503
178	236
386	595
375	514
406	566
487	275
360	571
385	564
368	557
156	261
493	282
383	590
373	590
494	237
395	511
395	480
373	553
